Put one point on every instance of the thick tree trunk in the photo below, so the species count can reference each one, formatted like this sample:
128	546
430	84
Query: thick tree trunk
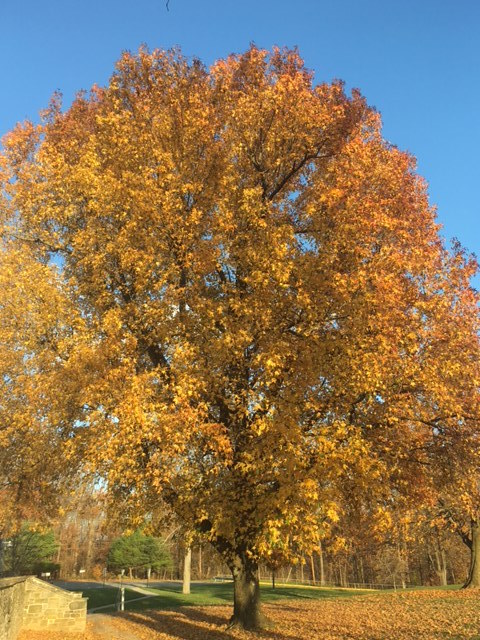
246	594
473	579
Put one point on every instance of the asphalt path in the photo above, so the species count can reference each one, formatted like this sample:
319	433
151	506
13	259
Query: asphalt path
77	585
80	585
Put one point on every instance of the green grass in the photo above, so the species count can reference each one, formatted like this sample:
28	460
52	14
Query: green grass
206	594
106	596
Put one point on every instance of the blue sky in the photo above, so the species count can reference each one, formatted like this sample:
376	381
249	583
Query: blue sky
416	61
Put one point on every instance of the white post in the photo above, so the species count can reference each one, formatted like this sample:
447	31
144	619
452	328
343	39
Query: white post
122	599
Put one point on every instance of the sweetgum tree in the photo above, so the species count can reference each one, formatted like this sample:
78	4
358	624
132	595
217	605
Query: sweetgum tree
261	306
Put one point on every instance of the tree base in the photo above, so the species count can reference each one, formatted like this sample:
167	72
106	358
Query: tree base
260	623
470	585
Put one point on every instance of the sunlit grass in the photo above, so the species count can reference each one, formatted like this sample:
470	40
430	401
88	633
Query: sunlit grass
206	594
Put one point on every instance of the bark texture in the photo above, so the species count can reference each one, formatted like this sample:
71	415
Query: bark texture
187	569
473	579
247	612
438	558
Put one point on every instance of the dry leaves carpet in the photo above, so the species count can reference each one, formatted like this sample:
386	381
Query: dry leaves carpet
419	615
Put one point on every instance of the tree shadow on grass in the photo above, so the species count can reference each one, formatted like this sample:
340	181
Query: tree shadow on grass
285	594
291	593
172	598
191	624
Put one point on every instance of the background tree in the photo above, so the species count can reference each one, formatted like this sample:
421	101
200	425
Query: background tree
30	551
138	552
457	510
84	531
262	300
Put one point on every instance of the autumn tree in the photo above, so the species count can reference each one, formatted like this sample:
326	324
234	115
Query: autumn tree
261	297
454	460
456	509
84	530
32	326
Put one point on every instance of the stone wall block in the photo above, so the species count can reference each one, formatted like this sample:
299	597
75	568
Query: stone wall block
29	603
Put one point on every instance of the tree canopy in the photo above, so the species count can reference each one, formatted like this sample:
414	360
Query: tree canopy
263	318
32	322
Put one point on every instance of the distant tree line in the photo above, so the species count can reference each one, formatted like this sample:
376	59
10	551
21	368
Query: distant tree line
86	543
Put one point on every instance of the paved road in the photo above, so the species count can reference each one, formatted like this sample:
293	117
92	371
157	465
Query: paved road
143	584
79	585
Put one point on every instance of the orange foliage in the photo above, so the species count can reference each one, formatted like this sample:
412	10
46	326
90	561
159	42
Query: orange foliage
32	326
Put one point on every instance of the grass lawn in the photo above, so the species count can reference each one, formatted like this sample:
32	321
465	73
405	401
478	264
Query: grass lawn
205	594
106	596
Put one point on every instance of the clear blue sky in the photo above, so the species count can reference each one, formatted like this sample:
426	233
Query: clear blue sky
416	61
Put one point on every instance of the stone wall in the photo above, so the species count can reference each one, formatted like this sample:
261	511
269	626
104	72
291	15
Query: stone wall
12	593
48	607
29	603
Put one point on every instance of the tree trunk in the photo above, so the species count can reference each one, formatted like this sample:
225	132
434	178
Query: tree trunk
473	579
246	594
288	574
322	570
312	569
362	573
1	558
407	564
439	562
187	566
401	566
88	551
452	573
